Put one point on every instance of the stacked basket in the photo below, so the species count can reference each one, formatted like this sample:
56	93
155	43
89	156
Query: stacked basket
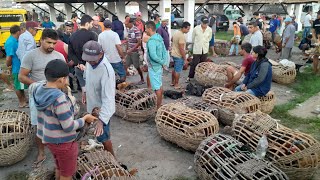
295	153
136	105
267	102
210	74
230	103
222	47
283	75
223	157
15	136
184	126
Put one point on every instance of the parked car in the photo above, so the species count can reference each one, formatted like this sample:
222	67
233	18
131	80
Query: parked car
222	21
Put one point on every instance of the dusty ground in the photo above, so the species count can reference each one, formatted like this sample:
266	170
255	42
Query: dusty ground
139	145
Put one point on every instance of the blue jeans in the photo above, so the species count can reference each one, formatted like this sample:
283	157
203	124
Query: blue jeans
306	32
178	64
234	46
119	68
238	89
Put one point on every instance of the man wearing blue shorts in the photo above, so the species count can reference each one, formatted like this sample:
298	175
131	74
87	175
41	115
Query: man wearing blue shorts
157	56
179	53
99	90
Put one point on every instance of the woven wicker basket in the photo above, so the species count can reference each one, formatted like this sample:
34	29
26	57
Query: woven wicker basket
295	153
223	157
15	136
237	66
100	165
42	173
231	103
210	74
184	126
267	102
198	104
136	105
222	47
283	75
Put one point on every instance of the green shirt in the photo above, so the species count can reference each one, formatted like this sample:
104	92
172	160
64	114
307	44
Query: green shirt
158	25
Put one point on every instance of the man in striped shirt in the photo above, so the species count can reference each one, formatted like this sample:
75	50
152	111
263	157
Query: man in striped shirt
56	125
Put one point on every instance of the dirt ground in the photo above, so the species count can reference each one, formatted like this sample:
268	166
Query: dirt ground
139	145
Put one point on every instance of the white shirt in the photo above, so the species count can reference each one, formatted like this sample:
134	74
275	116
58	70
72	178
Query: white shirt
307	20
26	43
101	89
108	40
256	39
201	40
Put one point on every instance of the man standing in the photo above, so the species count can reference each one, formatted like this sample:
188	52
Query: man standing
77	40
95	25
67	32
179	53
112	49
157	57
35	16
74	18
274	25
139	23
100	86
257	19
47	23
32	70
163	32
316	37
26	41
287	39
11	46
157	20
234	74
307	24
134	43
201	36
236	39
257	37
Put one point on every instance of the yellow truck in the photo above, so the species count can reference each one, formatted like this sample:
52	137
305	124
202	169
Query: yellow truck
10	17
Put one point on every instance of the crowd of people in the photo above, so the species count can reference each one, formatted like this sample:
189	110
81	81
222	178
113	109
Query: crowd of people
95	52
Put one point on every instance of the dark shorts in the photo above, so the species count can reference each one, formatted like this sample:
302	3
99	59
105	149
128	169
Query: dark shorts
178	64
119	68
17	84
106	133
134	59
211	43
65	156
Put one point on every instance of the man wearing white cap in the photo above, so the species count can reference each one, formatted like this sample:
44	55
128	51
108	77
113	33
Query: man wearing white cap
287	39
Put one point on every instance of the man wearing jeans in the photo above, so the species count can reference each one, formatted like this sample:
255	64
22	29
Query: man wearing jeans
179	53
201	37
307	25
111	45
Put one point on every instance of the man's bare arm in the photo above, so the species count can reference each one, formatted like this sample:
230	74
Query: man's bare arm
23	76
119	48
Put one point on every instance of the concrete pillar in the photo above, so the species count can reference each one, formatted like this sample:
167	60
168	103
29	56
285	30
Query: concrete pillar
255	8
143	5
112	8
68	10
189	16
247	13
52	11
89	8
121	10
290	9
220	8
165	12
298	12
181	8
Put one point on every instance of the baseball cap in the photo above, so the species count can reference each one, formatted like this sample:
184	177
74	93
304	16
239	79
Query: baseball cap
162	20
204	20
288	19
69	23
156	16
138	13
91	51
56	68
32	24
256	14
107	23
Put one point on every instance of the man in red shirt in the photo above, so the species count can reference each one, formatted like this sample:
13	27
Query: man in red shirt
234	74
139	23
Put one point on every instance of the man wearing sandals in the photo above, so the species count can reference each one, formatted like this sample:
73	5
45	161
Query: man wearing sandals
32	70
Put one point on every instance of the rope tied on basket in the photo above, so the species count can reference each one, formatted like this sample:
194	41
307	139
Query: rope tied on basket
87	176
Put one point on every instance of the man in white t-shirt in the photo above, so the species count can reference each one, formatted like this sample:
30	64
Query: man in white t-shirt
257	37
307	24
112	49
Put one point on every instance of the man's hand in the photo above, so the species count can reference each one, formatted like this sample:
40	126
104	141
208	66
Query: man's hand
70	63
243	87
99	129
185	62
129	52
81	67
84	96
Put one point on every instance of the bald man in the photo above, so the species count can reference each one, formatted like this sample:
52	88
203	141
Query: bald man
96	26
